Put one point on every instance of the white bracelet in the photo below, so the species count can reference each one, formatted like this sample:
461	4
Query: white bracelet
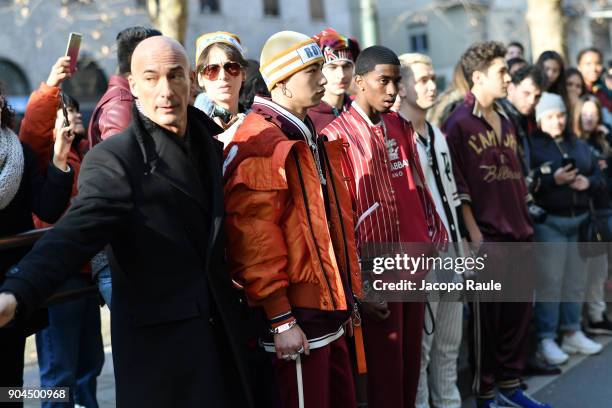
283	327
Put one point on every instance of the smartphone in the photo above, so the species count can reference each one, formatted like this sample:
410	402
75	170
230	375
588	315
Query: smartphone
72	49
569	160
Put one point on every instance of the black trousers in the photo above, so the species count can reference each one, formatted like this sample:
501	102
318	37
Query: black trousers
12	346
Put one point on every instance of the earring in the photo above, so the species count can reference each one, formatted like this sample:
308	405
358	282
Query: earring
286	92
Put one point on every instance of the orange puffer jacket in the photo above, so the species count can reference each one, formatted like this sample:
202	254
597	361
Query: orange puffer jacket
282	247
37	130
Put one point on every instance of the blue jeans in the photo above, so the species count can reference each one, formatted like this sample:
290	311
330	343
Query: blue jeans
70	349
561	276
104	281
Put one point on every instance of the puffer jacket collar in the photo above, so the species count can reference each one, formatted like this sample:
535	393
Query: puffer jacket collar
292	130
289	124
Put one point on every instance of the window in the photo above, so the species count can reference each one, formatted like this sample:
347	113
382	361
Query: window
141	3
418	43
209	6
14	81
317	10
417	38
271	8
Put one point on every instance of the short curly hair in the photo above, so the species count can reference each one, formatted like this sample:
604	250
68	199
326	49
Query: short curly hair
479	57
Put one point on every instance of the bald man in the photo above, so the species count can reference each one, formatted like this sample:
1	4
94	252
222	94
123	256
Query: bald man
154	193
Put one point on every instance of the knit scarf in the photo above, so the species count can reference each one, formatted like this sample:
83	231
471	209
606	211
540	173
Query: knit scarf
11	166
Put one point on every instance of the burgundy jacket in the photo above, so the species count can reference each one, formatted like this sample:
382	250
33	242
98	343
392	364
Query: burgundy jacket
113	112
488	172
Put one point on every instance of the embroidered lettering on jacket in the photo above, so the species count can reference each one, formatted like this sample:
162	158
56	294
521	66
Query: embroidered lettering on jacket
500	172
481	142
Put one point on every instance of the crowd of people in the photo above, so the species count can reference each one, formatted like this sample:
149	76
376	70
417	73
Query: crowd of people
224	212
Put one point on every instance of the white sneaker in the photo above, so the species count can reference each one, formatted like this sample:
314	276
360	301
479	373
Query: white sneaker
578	343
549	351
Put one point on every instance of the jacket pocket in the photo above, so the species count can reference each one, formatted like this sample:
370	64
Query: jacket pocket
150	314
366	214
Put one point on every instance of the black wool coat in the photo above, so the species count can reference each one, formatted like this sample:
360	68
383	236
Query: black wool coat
47	197
176	318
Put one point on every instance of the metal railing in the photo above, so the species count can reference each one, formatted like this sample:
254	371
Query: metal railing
27	240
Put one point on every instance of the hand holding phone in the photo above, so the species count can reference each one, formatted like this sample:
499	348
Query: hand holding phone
72	50
59	72
568	161
567	172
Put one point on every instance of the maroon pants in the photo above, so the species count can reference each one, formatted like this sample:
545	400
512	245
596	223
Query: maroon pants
501	343
504	329
326	377
393	355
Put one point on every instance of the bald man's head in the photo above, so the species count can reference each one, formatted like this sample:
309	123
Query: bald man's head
160	80
152	46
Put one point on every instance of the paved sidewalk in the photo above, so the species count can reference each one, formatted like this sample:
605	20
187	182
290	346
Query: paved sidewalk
575	380
106	380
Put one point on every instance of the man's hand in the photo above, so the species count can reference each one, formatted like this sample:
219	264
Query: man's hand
563	175
378	311
63	142
475	239
580	183
291	342
472	227
8	306
59	72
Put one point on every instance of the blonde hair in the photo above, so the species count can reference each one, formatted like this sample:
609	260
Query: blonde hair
408	59
414	58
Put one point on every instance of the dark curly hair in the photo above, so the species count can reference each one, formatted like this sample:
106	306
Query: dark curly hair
7	115
479	58
531	71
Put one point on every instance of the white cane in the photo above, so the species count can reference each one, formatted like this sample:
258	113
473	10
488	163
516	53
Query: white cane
300	385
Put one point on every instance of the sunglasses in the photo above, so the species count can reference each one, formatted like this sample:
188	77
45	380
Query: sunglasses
211	72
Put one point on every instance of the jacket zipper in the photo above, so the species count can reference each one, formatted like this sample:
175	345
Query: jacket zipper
346	254
302	185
